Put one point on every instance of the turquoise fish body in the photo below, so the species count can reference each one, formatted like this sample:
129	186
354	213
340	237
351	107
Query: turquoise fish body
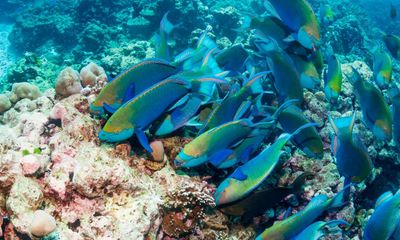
392	43
316	230
130	83
385	219
136	115
215	142
394	94
383	67
333	79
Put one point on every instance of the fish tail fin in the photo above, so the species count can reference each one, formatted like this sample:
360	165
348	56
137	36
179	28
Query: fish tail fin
343	123
340	198
301	128
265	43
297	184
283	106
205	41
166	26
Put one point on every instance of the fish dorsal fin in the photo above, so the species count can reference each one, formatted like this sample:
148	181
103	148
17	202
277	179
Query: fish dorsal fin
384	198
301	128
343	123
239	175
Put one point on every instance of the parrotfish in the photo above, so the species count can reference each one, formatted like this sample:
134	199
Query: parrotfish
235	104
382	68
286	78
295	224
161	39
309	76
269	26
216	143
333	79
300	18
130	83
352	159
317	230
232	59
250	206
392	43
309	140
383	222
243	151
376	113
326	14
136	115
318	60
394	94
250	175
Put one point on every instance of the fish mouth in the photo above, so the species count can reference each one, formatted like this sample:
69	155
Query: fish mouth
115	136
96	110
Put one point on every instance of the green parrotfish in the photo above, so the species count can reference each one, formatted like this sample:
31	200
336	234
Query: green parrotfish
250	175
130	83
394	94
333	78
289	228
318	229
383	68
309	76
300	18
376	113
250	206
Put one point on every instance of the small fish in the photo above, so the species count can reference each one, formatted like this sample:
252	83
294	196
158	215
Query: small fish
250	206
376	113
326	14
232	59
295	224
317	230
393	11
161	39
234	105
333	78
392	43
136	115
309	140
250	175
383	67
394	94
286	78
130	83
309	76
352	159
385	219
300	18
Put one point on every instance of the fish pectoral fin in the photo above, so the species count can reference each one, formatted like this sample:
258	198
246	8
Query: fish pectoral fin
239	175
108	108
217	158
244	107
129	93
143	140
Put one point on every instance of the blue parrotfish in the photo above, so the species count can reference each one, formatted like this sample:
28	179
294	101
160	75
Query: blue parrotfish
326	14
300	18
161	38
392	43
130	83
286	78
136	115
250	206
234	105
295	224
376	113
250	175
317	230
383	68
394	94
385	219
333	78
352	159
